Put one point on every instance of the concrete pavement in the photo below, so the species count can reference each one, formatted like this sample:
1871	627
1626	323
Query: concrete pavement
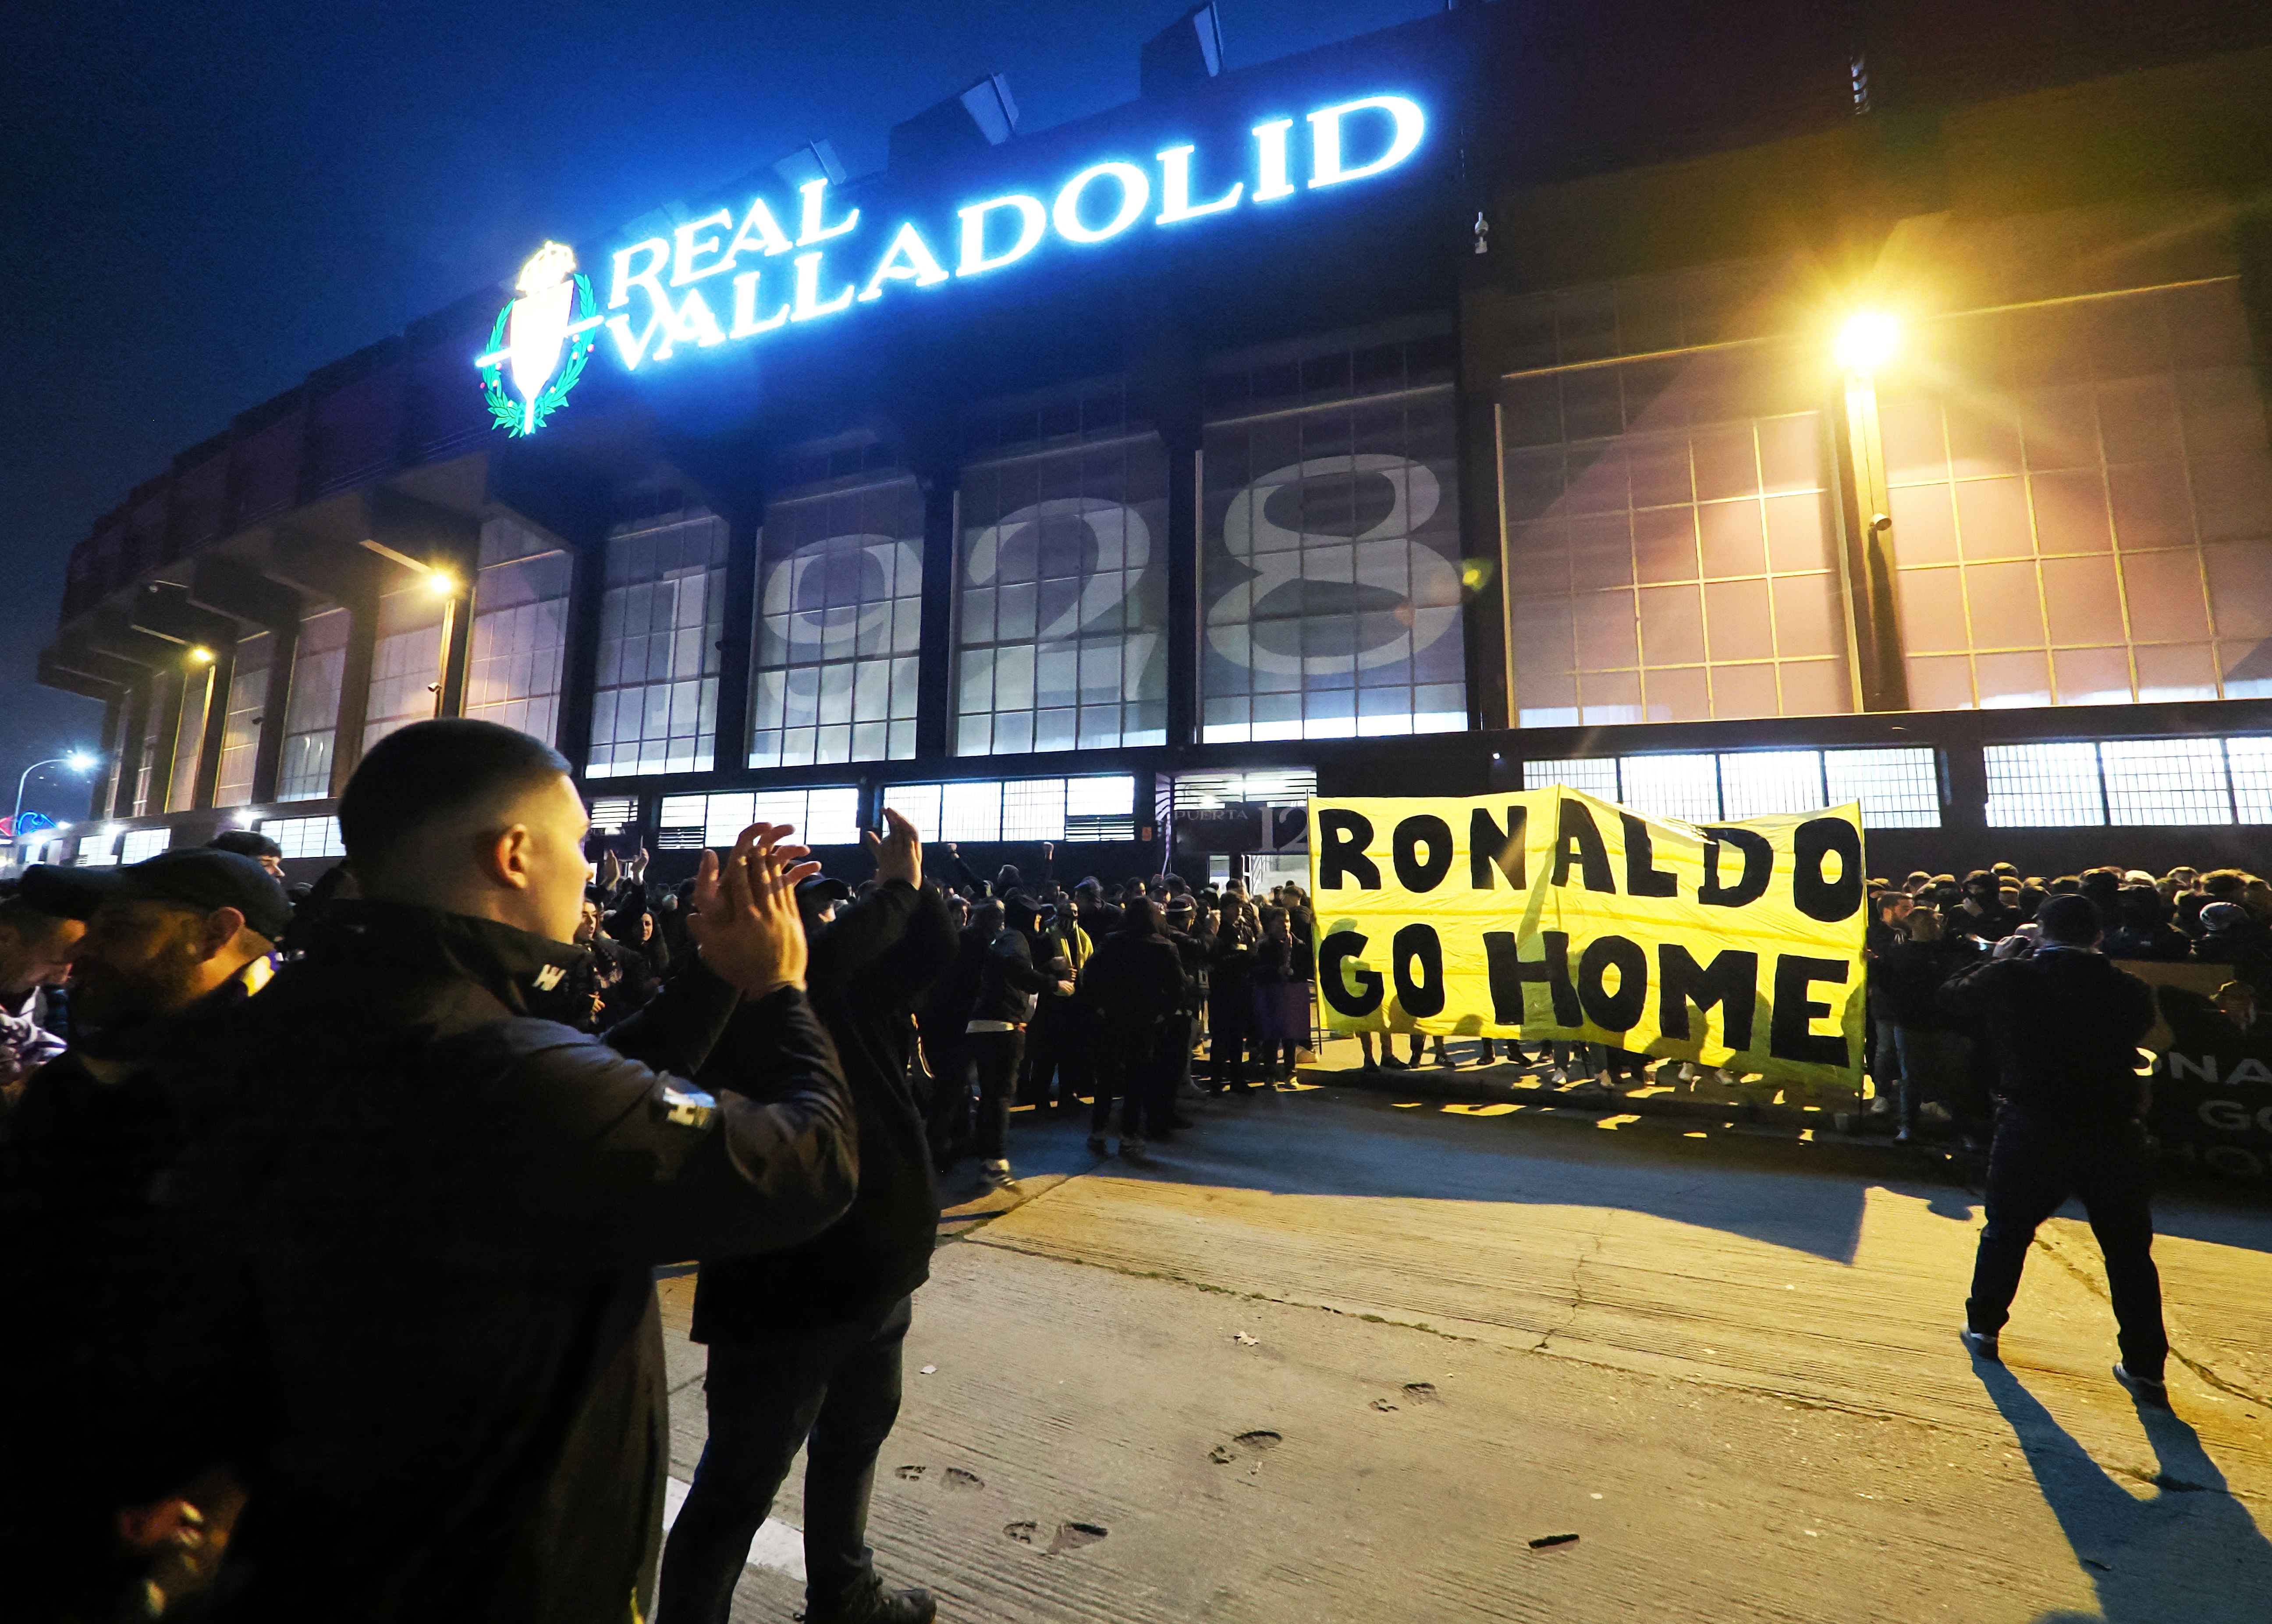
1331	1358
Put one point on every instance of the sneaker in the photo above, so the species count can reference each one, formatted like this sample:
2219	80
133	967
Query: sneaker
1132	1147
872	1604
2154	1395
1983	1344
998	1175
1394	1064
1097	1146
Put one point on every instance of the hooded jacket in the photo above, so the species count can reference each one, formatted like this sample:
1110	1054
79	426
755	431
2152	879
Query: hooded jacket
446	1213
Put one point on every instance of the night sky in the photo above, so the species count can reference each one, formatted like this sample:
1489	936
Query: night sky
201	204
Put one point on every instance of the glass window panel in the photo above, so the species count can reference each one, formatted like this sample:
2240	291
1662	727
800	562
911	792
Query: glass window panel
918	803
1597	778
312	710
306	837
200	692
840	595
2250	763
1670	785
520	634
1712	473
2166	780
1329	556
140	844
970	812
1898	789
1033	809
1061	592
2044	787
662	612
1755	784
248	702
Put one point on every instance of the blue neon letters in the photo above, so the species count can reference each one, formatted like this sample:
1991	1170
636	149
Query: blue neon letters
1351	141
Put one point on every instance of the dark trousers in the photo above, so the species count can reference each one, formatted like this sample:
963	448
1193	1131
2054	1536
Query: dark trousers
1127	1065
2032	1169
996	1055
1171	1070
1231	1021
836	1386
1059	1042
947	1112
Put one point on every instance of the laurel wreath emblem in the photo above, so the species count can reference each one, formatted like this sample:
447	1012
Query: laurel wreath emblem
503	407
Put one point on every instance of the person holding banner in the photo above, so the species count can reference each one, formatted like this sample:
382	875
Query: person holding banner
2066	1024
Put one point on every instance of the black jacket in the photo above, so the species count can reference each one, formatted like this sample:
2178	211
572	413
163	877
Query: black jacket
869	967
1136	979
1008	980
448	1212
2065	1026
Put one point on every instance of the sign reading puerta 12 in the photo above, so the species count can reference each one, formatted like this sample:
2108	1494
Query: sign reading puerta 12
734	277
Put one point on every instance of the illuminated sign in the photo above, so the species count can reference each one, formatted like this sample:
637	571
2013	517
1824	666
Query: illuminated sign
537	342
732	276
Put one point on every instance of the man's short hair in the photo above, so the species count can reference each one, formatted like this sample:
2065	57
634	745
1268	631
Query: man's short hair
246	843
433	770
2074	920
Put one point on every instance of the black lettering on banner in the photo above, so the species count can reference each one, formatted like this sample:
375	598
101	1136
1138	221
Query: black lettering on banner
1421	829
1425	996
1619	1010
1827	900
1730	983
1797	1009
1489	844
1758	868
1510	971
1642	878
1576	837
1343	836
1334	974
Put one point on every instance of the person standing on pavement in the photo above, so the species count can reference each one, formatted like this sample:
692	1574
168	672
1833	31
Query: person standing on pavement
444	1213
805	1343
1182	1036
1231	999
2065	1024
1137	982
995	1035
102	1409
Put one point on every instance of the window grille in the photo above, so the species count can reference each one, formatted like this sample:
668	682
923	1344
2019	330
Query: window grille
2044	787
306	837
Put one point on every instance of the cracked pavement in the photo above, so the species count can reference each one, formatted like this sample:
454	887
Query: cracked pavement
1727	1365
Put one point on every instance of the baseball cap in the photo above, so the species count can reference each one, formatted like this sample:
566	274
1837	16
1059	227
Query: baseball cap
2215	917
197	877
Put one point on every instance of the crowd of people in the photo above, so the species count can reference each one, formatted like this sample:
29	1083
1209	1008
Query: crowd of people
332	1214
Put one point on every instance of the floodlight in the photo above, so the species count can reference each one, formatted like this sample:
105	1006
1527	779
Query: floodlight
1867	339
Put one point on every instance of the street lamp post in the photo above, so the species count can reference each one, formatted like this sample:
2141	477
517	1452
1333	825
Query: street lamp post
78	761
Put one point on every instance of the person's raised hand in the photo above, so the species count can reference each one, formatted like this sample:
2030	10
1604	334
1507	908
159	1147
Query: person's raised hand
899	852
638	863
612	868
746	921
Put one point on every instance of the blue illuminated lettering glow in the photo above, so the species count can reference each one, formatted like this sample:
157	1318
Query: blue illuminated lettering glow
1325	139
1350	141
815	195
1175	189
908	259
746	325
1033	220
690	243
808	289
1270	161
1135	196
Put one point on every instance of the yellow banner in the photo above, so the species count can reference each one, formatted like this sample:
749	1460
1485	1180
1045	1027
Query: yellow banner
1553	913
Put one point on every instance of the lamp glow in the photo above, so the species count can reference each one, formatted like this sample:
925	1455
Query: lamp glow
80	762
442	584
200	655
1867	339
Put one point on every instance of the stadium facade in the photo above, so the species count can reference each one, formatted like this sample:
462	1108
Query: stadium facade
1723	409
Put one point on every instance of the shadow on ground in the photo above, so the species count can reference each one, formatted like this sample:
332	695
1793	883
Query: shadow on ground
2180	1544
